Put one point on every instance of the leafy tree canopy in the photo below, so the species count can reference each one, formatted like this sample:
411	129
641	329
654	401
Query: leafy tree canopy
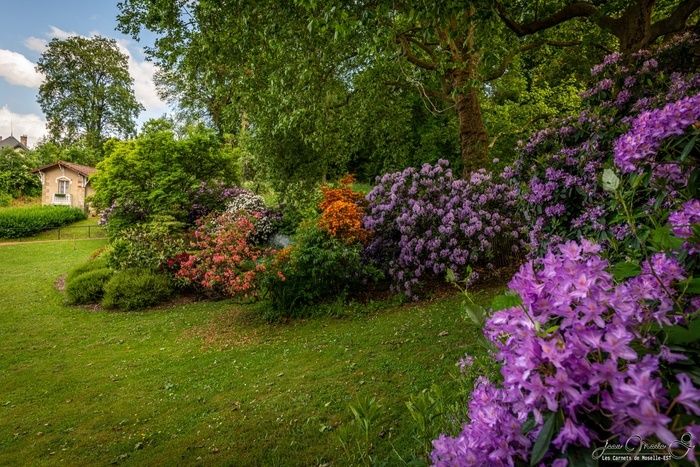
87	91
156	173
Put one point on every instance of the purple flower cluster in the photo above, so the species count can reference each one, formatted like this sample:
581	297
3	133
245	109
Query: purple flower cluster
211	197
579	345
651	128
647	97
425	221
682	221
128	210
492	437
610	59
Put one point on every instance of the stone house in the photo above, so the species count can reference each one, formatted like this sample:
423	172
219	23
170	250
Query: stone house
12	143
66	184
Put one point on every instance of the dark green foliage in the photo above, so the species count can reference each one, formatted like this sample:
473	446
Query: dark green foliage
158	173
92	265
134	289
87	287
16	178
23	222
318	268
148	245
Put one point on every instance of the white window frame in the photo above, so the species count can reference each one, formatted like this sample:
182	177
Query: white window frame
61	180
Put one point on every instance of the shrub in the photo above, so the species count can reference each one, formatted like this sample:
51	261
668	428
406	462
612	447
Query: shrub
99	262
298	202
87	287
267	220
224	261
26	221
5	199
157	173
211	196
636	103
598	349
342	210
316	268
149	245
134	289
582	359
425	222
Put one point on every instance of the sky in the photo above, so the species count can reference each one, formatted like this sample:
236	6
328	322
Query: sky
26	28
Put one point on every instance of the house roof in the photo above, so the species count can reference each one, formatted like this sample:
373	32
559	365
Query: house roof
13	143
81	169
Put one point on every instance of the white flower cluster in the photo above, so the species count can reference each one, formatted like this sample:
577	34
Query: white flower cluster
267	220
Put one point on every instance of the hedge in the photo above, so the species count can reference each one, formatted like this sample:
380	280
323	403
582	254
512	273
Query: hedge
135	289
27	221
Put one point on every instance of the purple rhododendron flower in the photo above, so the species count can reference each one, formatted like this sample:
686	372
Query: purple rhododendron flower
570	348
651	128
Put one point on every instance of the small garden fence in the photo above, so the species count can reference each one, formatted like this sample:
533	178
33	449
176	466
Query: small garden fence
66	233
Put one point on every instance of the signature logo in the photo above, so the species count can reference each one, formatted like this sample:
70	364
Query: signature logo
637	448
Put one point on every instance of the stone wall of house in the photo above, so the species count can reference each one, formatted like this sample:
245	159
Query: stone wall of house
76	187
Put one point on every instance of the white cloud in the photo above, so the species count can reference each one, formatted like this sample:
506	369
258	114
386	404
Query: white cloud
32	125
144	86
35	44
18	69
59	33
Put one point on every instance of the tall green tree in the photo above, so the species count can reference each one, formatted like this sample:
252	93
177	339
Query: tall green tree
87	91
292	71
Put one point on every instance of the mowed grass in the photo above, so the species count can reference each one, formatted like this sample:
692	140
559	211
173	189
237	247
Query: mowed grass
206	382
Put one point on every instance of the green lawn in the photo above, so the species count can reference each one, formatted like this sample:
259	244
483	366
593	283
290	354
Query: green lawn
203	383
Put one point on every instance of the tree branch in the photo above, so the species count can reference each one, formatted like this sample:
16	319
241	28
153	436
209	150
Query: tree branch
570	11
413	58
508	59
676	21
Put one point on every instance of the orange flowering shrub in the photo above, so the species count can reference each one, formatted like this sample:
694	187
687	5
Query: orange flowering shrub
342	210
343	192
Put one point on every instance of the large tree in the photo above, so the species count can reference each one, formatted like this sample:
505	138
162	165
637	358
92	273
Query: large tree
87	90
294	69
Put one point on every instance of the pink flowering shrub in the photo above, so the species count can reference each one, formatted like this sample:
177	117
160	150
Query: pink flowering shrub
223	260
425	222
581	363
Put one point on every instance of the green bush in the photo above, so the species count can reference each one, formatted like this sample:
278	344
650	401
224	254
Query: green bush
147	245
94	264
88	287
317	268
5	199
27	221
298	203
134	289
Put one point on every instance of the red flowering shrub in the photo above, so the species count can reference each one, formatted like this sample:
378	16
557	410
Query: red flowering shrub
224	260
342	210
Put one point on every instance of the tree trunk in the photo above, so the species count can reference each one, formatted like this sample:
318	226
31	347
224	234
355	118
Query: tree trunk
473	139
634	27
